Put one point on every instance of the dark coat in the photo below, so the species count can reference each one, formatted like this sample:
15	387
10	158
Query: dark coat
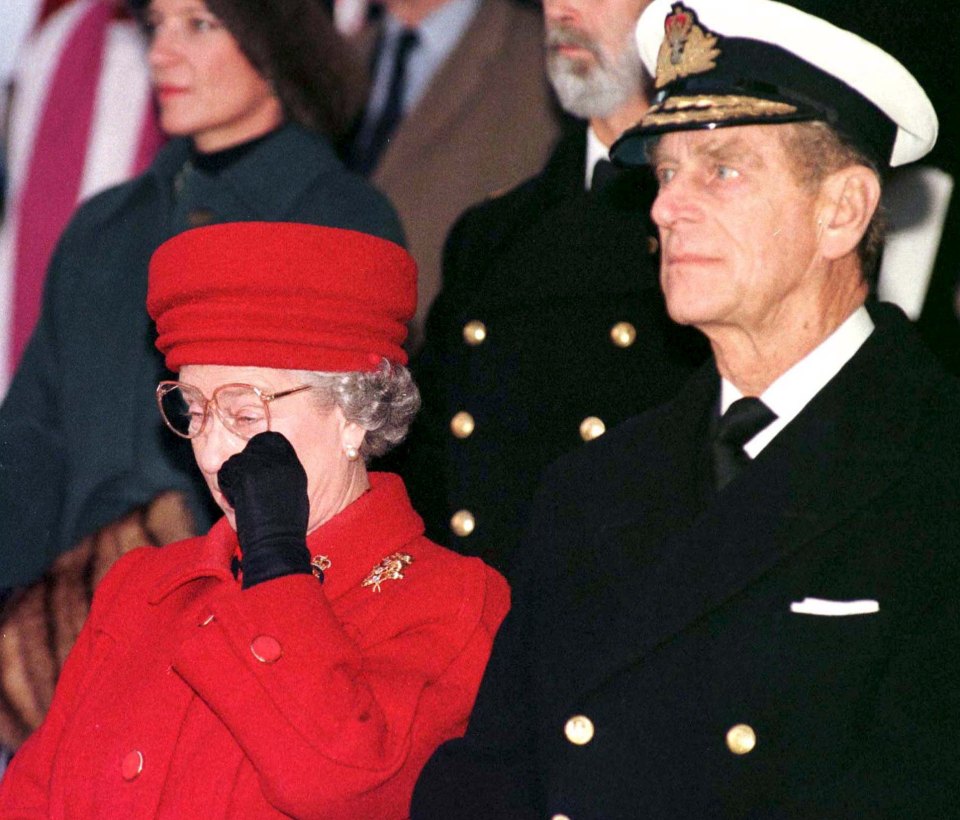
81	442
549	271
662	614
188	697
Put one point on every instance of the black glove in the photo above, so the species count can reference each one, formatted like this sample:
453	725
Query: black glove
267	487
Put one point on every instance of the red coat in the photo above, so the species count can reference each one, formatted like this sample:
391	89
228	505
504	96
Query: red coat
186	696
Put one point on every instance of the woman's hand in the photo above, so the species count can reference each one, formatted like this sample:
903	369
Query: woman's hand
267	487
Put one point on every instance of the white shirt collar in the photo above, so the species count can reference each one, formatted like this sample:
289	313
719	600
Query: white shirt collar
596	151
793	390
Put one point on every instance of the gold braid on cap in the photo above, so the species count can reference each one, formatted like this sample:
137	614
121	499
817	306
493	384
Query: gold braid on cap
713	108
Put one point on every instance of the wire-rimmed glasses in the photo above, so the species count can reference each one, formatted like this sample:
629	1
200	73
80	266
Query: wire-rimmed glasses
242	408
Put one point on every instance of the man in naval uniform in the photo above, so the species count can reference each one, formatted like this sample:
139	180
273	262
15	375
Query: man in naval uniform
550	328
744	603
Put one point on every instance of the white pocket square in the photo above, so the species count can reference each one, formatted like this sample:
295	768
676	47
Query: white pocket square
819	606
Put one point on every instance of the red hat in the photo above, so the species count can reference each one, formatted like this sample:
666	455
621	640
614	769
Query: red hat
281	294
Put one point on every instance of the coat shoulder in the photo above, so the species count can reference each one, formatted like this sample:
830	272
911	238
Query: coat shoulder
102	208
342	199
458	577
487	222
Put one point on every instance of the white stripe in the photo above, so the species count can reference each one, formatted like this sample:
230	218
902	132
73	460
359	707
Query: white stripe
119	111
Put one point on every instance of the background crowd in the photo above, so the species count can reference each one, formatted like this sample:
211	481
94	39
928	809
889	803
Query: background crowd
539	323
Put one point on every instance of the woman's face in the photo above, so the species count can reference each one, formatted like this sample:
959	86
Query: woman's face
319	435
205	86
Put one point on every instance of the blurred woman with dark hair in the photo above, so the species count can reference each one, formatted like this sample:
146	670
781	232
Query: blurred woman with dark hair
252	94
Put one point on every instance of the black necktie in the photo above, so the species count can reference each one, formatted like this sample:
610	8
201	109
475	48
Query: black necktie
743	420
604	173
368	153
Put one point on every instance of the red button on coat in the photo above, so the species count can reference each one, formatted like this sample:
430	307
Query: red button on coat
266	648
132	765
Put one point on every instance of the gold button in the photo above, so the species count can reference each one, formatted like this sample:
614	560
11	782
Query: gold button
741	739
560	817
623	334
579	730
462	425
474	333
592	427
463	522
652	245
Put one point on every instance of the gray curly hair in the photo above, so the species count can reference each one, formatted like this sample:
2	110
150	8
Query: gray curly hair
383	402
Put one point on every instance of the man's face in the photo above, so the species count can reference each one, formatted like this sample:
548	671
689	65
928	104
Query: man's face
592	57
738	231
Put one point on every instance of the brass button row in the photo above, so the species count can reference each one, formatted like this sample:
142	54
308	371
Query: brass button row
741	739
462	425
622	334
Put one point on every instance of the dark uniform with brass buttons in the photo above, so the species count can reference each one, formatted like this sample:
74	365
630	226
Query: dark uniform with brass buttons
550	329
652	664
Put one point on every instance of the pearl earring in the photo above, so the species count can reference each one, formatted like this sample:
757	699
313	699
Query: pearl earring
351	452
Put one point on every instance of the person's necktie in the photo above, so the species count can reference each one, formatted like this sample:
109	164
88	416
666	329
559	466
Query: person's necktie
604	173
367	155
743	420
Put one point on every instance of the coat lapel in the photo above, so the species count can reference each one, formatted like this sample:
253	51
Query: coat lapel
850	443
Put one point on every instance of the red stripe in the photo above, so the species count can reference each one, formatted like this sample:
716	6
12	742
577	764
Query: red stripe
56	165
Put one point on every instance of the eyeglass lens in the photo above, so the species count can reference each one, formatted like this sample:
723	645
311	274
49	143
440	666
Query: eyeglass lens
240	409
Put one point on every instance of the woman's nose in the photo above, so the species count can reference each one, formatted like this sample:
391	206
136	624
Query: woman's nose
215	445
163	47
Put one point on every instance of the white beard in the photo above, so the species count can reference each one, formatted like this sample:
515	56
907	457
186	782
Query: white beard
594	90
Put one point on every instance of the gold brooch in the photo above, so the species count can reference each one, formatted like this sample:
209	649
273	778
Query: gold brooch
319	564
687	48
389	569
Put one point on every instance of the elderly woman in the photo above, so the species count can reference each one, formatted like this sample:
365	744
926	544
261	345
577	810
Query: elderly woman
252	94
305	657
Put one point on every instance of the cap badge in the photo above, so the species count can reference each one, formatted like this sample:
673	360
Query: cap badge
389	569
687	48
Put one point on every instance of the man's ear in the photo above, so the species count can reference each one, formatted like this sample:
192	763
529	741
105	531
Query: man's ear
847	202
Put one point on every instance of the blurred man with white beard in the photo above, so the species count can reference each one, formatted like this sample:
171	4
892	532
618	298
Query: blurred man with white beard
549	304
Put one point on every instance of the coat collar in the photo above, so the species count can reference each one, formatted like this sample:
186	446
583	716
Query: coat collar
267	196
850	443
373	527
